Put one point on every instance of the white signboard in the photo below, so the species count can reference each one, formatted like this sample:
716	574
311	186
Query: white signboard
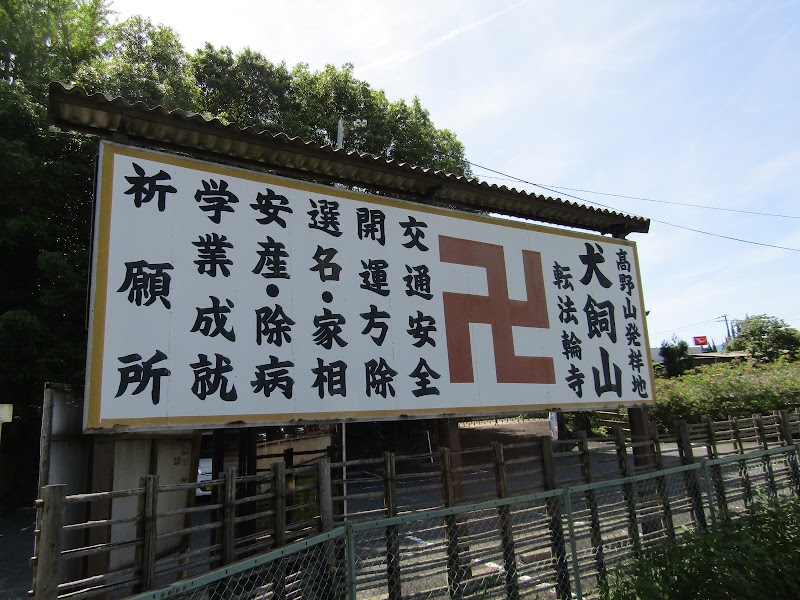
227	296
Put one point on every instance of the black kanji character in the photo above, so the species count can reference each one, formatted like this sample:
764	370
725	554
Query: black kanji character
325	267
146	281
600	319
626	283
413	229
632	334
374	321
215	316
571	345
562	277
420	328
329	326
211	254
639	386
607	385
567	310
418	282
272	376
325	216
142	374
379	377
622	261
265	204
209	379
592	259
144	188
636	360
629	310
272	260
331	378
371	225
423	374
217	199
374	277
575	380
273	325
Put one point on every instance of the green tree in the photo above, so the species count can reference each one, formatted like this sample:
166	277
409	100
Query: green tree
47	40
676	357
765	338
142	62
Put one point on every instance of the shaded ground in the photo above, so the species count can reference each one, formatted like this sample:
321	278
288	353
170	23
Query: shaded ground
16	548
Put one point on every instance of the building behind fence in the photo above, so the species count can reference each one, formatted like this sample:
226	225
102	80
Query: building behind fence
534	519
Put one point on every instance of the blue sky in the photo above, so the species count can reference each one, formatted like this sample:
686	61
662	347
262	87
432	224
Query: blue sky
685	102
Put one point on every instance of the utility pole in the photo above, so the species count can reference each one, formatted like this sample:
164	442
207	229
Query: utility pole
727	328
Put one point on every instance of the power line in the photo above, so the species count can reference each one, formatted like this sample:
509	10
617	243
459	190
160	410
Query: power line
719	235
683	327
645	199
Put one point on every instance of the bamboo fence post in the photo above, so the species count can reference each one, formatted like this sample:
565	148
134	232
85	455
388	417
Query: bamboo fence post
455	572
745	476
791	458
506	528
764	443
392	531
661	485
229	516
149	532
628	492
719	481
594	515
690	477
563	588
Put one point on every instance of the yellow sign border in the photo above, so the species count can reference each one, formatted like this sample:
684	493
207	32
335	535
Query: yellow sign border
94	368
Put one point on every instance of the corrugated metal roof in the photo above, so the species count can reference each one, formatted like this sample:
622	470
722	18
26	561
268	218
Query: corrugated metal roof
71	108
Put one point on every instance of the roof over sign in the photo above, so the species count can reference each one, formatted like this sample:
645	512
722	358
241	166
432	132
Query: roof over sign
71	108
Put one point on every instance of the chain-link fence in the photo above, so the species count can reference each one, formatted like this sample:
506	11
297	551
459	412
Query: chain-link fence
560	544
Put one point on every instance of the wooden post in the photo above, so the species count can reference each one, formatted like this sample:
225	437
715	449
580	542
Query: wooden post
594	514
559	547
149	532
392	532
279	487
791	457
627	492
506	529
228	516
745	476
455	572
663	492
48	556
325	493
716	470
690	477
762	439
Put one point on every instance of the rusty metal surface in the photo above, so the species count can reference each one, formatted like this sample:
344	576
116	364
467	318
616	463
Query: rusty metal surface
72	109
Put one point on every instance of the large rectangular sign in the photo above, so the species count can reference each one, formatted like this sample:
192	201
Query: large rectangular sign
227	296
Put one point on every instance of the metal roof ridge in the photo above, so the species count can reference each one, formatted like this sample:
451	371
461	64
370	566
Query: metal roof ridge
71	107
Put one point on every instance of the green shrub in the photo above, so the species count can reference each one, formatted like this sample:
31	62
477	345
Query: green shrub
726	390
751	557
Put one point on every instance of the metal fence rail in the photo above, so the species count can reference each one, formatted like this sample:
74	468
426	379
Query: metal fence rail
561	543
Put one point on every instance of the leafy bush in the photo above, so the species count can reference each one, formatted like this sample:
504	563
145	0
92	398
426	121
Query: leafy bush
727	389
751	557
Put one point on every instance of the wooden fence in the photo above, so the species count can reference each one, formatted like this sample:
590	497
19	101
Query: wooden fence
80	557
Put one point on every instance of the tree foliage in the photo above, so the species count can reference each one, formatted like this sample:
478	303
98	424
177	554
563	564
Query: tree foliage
676	357
719	391
765	338
47	176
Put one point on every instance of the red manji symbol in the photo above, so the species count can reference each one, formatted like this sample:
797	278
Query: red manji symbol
497	310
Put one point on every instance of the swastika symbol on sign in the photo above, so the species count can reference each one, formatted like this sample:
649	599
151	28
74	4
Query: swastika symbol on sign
497	310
